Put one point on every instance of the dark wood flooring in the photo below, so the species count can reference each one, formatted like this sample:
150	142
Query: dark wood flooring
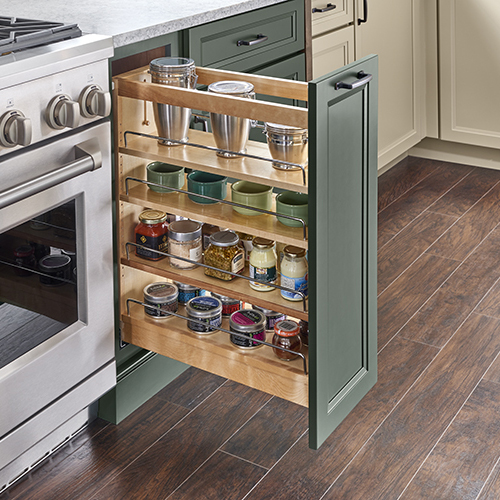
429	429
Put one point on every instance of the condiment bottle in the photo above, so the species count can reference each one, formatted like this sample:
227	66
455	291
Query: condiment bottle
294	273
287	335
151	232
225	254
184	240
263	265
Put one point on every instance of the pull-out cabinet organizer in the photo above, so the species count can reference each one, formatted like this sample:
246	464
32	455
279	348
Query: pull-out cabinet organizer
340	181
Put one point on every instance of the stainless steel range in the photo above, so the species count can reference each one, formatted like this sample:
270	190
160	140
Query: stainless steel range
56	258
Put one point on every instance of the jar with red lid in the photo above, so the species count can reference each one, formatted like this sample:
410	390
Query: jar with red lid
287	336
25	258
151	232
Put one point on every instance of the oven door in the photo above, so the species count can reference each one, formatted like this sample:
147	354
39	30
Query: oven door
56	273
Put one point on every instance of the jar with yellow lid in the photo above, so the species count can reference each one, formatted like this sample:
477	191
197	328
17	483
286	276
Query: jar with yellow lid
263	265
225	254
151	233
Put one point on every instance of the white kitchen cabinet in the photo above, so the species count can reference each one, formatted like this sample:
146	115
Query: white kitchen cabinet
469	45
332	50
328	16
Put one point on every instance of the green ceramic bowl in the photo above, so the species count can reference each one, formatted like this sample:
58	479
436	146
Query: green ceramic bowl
206	184
166	175
294	204
252	195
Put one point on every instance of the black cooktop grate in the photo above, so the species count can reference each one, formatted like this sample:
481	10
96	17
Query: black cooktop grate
18	34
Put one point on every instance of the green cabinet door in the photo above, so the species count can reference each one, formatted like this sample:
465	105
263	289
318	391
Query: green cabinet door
343	258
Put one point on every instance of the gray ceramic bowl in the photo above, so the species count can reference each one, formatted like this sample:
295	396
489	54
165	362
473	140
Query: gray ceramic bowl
294	204
208	185
166	175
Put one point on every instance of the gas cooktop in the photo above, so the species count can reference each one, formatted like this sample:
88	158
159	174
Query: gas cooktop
18	33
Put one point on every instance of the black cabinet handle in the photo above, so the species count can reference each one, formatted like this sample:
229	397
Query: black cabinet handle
329	6
362	79
365	9
260	38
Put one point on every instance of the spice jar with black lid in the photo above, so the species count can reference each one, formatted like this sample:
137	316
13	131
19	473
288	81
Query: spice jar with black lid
225	254
162	297
151	232
250	323
287	336
184	240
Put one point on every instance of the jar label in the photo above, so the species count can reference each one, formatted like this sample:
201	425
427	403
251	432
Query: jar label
238	263
195	253
246	317
263	274
247	342
204	304
299	284
154	242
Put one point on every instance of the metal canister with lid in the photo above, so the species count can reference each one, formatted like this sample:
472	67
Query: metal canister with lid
288	144
229	305
187	292
231	132
173	121
184	240
272	317
207	313
162	297
250	323
224	254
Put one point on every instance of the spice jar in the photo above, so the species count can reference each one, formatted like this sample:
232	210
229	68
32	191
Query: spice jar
207	311
184	240
55	269
24	256
187	292
263	265
272	317
294	272
250	323
225	254
163	297
229	305
151	232
287	335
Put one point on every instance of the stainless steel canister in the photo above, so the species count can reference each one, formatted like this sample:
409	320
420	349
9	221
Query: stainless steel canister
231	132
173	121
287	143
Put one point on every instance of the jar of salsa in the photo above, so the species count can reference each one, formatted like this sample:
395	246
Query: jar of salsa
151	232
287	336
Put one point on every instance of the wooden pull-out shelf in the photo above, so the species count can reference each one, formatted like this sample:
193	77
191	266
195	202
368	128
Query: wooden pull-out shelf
258	368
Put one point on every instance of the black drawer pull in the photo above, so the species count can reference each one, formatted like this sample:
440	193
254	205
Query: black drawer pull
362	79
364	19
329	6
260	38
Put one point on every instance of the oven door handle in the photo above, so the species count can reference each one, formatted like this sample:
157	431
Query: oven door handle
88	158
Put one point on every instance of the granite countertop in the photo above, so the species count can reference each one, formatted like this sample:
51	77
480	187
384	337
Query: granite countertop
130	21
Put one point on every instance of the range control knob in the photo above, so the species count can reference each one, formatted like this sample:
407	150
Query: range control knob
62	112
94	102
15	129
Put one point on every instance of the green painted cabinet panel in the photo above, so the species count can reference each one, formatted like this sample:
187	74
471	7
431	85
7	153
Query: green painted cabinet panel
219	43
343	264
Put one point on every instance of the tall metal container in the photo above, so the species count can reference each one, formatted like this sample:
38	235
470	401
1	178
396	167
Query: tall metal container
173	121
231	132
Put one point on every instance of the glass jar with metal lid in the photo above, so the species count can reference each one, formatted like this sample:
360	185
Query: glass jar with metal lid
207	313
231	132
225	254
184	240
162	297
288	144
287	336
263	265
173	121
151	232
250	323
294	273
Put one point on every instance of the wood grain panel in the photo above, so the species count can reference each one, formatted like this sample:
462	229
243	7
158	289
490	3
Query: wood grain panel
467	192
436	322
408	245
221	477
412	203
493	373
490	306
161	469
402	177
396	450
460	463
471	229
306	474
270	433
491	490
403	298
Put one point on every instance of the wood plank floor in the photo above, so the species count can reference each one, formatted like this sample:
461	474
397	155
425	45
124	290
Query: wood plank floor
429	429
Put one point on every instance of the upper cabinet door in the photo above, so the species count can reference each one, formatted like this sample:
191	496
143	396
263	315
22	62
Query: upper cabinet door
343	259
469	38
